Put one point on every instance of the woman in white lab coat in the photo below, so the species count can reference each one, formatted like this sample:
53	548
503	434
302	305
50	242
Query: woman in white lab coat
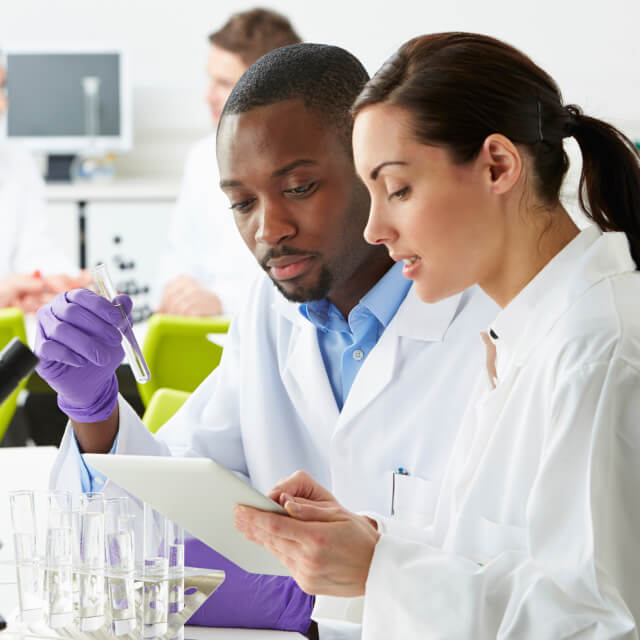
458	138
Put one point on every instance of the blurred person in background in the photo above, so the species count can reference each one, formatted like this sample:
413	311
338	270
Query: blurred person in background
32	268
207	266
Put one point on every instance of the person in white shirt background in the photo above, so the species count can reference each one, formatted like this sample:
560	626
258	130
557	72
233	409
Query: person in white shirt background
32	268
207	267
459	139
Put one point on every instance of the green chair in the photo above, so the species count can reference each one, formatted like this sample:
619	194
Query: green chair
11	326
164	403
178	352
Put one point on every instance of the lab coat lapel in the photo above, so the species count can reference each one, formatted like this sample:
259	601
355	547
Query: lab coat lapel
305	378
414	320
66	475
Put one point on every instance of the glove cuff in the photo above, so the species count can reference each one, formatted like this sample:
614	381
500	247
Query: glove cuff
100	410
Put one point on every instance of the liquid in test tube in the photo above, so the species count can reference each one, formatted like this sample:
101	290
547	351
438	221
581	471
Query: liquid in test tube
130	345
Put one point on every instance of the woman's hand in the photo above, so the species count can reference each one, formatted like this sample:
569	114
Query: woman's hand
327	548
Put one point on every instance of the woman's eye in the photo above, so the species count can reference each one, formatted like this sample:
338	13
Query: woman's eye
401	194
300	191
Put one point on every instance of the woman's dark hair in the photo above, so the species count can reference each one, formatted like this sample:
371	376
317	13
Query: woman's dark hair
461	87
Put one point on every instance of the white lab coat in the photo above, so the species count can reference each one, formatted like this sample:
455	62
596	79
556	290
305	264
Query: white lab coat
25	239
537	530
269	409
204	242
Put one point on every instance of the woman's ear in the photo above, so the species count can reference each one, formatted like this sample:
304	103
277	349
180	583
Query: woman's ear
503	161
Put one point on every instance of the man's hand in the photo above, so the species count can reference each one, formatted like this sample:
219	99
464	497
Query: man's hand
185	297
327	548
79	345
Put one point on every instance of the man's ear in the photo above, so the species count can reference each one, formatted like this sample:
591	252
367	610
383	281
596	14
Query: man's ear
503	162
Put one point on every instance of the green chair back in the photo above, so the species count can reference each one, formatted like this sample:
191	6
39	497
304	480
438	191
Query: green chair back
11	326
178	352
164	403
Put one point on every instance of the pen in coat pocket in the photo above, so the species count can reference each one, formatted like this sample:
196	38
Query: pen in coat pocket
400	471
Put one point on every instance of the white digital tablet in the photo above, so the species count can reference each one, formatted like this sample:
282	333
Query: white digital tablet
198	494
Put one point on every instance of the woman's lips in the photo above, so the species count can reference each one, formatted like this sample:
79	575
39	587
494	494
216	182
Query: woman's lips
411	267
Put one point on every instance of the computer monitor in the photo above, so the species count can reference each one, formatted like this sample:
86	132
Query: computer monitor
47	101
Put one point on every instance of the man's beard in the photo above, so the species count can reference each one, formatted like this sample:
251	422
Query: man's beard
320	289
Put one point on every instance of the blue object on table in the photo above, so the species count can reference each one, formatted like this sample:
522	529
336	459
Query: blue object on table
248	600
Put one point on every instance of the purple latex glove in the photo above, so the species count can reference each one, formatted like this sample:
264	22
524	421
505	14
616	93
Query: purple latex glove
79	347
248	600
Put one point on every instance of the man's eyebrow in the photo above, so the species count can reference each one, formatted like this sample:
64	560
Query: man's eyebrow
276	174
291	166
374	174
230	183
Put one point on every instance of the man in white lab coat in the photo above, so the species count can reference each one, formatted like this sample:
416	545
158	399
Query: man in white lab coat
358	381
207	267
32	268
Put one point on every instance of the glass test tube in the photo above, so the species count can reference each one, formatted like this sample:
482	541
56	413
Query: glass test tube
175	541
58	580
92	596
130	345
120	547
155	597
23	521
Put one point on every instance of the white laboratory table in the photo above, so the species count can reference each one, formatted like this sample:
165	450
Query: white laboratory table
120	189
28	468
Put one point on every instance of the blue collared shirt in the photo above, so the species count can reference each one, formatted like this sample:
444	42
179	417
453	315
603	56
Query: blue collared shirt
346	344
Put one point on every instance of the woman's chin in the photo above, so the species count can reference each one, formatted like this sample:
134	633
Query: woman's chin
430	293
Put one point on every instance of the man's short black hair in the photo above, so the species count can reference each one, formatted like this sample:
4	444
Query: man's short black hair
325	78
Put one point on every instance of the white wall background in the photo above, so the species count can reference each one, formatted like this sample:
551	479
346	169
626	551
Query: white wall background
591	48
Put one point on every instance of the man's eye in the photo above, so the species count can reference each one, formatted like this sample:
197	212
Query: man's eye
302	190
240	206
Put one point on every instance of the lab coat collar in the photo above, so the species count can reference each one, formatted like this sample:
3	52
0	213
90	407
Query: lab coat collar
287	309
589	258
414	319
424	321
66	475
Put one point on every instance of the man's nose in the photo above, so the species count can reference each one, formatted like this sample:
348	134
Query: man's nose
275	225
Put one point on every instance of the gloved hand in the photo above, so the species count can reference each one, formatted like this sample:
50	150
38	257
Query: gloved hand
248	600
79	346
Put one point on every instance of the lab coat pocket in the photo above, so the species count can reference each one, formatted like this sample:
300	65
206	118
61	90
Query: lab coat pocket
413	499
493	538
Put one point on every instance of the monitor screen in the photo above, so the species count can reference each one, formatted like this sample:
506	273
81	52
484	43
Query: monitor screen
47	100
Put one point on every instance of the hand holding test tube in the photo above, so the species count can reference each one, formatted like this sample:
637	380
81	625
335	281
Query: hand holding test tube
106	289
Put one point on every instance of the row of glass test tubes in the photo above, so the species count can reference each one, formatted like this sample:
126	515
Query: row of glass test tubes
80	564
